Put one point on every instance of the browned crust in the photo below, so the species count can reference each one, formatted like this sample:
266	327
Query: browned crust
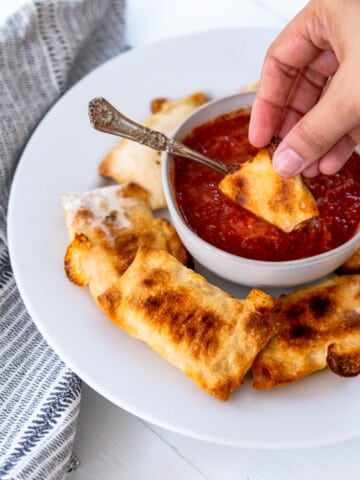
79	246
351	266
319	326
344	360
283	202
158	104
211	336
102	248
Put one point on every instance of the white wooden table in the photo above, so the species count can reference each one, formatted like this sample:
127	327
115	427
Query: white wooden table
113	444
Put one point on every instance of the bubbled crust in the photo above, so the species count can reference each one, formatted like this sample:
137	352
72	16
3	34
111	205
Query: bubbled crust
318	326
209	335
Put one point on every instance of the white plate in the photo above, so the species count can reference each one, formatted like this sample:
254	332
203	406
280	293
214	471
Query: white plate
63	155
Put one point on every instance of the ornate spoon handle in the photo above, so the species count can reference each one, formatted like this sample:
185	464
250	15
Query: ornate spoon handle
105	118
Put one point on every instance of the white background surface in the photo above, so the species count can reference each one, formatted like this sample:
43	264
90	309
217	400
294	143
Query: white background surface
113	444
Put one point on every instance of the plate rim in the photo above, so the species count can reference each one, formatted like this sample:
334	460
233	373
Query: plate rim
28	303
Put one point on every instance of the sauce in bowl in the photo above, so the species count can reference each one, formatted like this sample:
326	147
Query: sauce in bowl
231	228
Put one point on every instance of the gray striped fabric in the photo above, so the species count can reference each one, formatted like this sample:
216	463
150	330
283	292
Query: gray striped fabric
44	48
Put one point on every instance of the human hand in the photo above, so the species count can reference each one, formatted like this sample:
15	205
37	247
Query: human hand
309	92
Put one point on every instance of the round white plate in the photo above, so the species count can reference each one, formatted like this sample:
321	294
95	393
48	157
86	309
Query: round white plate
63	155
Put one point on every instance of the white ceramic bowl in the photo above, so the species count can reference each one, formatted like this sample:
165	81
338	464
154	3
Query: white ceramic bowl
238	269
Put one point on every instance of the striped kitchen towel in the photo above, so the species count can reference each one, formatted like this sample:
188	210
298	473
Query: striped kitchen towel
45	47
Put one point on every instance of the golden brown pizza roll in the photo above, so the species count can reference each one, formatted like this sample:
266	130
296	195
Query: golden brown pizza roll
209	335
106	227
319	327
284	202
131	162
250	87
352	265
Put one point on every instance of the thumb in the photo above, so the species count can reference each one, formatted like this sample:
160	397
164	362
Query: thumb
335	114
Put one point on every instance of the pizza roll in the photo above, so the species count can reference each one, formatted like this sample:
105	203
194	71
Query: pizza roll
250	87
319	327
129	161
106	227
209	335
352	265
283	202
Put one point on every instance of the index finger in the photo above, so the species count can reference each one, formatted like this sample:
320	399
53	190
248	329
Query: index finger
292	50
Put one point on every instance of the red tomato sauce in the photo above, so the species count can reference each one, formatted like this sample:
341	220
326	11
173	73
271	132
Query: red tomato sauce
220	222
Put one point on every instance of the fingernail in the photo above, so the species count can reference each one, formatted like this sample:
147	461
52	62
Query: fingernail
287	162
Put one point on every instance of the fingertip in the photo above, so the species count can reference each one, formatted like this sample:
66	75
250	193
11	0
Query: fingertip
287	162
253	128
329	165
260	132
311	171
337	156
255	138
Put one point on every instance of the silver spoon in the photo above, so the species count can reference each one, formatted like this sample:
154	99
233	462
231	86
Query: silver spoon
105	118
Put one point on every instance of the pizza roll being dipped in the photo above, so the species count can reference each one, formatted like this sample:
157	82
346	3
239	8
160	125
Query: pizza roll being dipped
254	185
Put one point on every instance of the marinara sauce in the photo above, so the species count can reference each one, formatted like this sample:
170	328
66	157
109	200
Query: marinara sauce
220	222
